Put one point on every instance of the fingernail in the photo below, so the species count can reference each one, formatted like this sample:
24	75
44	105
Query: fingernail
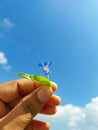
44	94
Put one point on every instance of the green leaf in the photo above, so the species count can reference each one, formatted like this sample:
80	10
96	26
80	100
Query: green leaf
27	76
38	78
41	79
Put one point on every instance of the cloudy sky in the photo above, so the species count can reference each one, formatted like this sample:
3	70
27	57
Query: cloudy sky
66	32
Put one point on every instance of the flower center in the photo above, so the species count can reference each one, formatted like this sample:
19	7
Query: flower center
45	68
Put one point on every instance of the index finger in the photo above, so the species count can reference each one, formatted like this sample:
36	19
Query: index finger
13	90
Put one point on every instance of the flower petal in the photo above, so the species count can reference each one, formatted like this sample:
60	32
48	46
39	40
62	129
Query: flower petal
45	63
41	64
49	63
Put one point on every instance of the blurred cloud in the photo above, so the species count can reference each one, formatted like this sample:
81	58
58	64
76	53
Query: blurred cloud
7	68
6	25
3	59
4	62
73	117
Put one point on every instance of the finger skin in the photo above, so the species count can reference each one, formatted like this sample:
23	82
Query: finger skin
13	90
54	100
23	113
38	125
3	109
20	102
11	93
48	110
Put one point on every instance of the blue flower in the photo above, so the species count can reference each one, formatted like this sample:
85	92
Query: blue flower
45	66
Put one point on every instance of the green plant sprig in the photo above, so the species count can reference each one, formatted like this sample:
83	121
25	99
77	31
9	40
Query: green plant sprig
39	78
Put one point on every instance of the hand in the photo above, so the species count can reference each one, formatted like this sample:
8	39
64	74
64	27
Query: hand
21	100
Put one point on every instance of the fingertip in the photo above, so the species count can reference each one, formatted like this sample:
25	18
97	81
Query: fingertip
47	125
54	86
40	125
48	110
54	100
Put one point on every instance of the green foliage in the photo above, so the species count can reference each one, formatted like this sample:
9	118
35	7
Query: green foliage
38	78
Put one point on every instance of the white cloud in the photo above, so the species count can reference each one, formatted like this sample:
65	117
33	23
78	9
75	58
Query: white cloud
73	117
91	110
4	62
3	59
6	25
7	68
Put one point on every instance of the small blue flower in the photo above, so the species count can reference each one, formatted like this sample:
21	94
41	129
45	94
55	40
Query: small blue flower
45	66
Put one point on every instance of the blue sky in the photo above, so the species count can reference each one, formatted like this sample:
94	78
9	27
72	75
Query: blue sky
64	31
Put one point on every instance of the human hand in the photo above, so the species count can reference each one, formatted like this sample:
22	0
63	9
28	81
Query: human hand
21	100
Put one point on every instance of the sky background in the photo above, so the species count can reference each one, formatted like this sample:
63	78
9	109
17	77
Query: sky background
66	32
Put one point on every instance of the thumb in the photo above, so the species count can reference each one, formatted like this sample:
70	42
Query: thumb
28	107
